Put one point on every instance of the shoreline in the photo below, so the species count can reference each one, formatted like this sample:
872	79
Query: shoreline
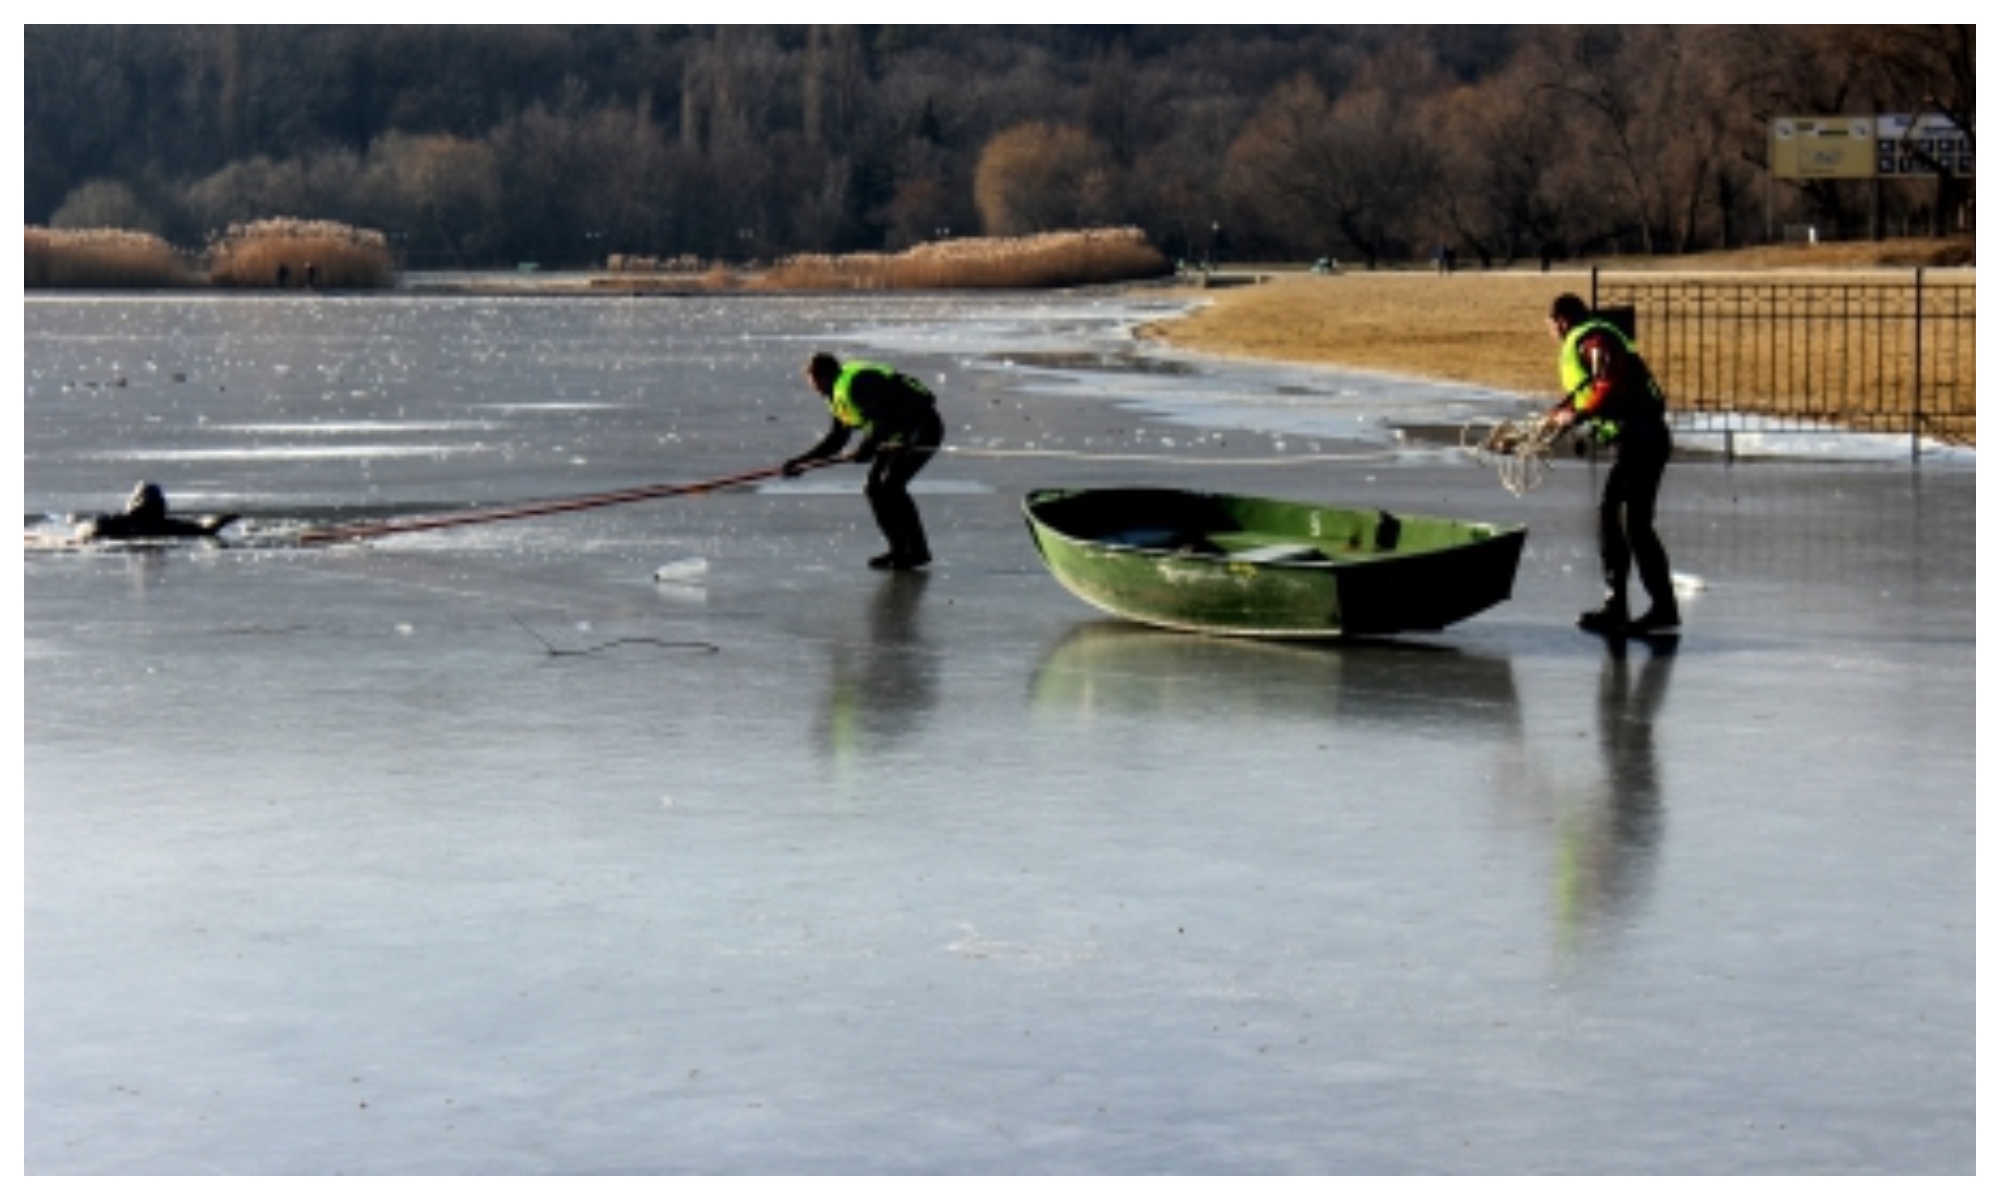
1477	327
1484	328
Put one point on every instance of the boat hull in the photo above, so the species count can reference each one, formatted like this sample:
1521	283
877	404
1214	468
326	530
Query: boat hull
1258	567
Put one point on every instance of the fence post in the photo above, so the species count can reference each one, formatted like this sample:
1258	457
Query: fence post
1917	375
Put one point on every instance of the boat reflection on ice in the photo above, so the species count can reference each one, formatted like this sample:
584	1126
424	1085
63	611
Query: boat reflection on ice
1115	666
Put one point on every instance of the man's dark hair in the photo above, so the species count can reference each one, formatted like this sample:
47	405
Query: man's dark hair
823	366
148	501
1570	309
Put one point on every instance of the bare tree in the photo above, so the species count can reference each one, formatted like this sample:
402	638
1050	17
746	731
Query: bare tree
736	140
835	78
1037	177
1178	189
1494	157
248	190
1348	173
74	98
1605	76
104	204
1921	70
435	196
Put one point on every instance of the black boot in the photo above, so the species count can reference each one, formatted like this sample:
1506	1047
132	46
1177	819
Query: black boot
1610	617
900	560
1663	617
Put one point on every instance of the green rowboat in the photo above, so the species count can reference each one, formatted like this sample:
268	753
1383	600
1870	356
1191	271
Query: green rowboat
1257	567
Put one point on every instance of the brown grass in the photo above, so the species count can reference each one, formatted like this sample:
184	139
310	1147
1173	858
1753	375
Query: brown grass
1822	256
1482	328
101	258
1071	259
1485	329
287	252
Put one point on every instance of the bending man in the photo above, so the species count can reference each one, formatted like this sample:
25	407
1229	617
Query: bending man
900	431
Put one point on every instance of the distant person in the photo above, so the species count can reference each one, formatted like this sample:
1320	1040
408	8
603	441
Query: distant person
284	276
145	516
1608	386
900	430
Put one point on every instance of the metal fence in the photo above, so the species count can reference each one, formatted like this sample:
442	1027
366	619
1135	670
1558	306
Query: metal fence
1891	355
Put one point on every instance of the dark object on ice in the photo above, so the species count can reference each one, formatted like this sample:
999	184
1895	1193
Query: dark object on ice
145	516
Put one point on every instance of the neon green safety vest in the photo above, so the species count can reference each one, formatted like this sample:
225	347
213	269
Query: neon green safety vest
1575	374
842	401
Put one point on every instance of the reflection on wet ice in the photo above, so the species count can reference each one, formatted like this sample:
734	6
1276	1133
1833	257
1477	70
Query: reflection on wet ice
1121	667
1607	842
882	684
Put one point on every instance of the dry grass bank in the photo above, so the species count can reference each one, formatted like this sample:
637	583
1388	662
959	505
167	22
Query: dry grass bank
1473	328
1485	328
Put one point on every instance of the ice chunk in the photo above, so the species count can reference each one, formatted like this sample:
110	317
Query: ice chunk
682	570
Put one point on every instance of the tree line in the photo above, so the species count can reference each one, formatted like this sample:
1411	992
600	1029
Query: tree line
563	145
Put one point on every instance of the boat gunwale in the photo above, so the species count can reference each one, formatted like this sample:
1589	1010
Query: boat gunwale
1327	561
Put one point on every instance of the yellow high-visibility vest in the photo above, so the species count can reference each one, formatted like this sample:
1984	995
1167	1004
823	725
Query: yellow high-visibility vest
1575	373
842	401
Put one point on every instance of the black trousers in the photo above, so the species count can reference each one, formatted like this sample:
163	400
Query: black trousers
888	487
1625	534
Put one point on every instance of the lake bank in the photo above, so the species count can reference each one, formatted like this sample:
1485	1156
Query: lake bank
1475	326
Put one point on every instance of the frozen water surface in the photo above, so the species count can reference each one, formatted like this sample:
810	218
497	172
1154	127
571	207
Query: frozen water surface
668	838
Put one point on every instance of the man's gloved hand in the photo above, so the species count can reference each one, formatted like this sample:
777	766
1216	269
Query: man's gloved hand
862	454
794	467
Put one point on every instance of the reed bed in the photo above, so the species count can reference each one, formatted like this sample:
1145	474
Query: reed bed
102	258
286	252
651	264
1068	259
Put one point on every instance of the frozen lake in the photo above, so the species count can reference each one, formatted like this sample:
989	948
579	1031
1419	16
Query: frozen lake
483	850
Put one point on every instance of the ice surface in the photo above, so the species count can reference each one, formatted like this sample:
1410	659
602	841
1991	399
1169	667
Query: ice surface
484	850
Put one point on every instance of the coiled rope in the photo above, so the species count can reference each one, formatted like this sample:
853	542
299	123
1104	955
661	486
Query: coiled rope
1521	450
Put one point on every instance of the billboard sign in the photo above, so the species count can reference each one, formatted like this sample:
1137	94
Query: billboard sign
1824	147
1919	145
